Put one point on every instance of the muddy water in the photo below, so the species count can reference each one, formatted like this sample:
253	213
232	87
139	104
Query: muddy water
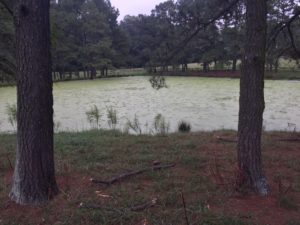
207	103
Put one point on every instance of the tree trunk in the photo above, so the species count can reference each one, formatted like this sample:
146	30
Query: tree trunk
276	65
93	73
252	99
234	62
77	74
34	176
205	67
70	75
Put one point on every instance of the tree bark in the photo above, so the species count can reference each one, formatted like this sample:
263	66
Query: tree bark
234	62
205	67
34	176
252	99
93	73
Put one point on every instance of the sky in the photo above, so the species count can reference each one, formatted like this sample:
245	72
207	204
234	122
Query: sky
134	7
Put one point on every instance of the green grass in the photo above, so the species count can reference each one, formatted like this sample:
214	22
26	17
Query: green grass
103	154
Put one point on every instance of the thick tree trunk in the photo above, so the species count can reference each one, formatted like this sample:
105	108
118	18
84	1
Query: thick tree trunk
252	99
34	176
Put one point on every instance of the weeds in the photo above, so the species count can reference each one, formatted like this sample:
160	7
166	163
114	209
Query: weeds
11	111
56	126
184	127
134	125
93	116
160	125
112	118
283	199
158	82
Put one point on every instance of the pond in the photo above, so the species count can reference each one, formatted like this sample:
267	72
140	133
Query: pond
206	103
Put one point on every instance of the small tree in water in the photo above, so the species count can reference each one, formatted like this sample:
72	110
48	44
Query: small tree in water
158	82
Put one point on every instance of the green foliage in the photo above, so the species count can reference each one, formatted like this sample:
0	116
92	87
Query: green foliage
293	222
184	126
158	82
134	125
223	220
93	116
7	61
11	111
287	203
56	125
112	118
161	126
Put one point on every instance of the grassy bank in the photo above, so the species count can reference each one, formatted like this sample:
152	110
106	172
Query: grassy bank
204	172
280	75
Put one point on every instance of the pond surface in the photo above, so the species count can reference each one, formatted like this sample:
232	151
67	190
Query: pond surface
206	103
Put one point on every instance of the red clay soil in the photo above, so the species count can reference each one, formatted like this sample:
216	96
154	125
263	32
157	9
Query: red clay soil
77	182
262	210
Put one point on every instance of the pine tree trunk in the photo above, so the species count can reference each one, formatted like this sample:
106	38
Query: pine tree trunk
34	176
205	67
252	99
234	62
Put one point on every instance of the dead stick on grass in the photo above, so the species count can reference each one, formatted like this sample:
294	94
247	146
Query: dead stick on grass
144	206
130	174
10	164
224	139
184	207
289	139
136	208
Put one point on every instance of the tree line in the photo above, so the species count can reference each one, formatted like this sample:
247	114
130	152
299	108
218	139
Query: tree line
87	38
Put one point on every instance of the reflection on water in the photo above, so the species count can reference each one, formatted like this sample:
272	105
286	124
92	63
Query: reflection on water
207	103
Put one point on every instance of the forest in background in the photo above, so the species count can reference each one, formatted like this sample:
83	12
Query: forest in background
86	37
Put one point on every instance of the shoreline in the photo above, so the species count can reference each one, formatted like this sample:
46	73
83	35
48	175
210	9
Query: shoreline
210	74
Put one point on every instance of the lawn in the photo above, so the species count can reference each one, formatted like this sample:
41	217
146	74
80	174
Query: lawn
203	176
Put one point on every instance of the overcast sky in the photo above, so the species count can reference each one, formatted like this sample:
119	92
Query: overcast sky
134	7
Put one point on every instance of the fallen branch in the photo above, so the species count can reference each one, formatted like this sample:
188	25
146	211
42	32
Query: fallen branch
289	139
96	206
185	211
130	174
136	208
224	139
10	164
144	206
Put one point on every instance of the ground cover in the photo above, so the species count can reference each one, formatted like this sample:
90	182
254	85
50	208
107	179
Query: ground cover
203	176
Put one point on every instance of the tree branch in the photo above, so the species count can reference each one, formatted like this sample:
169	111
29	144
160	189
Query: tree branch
200	27
130	174
6	6
280	27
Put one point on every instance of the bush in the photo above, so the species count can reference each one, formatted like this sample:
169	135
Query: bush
134	125
93	116
11	111
160	125
184	127
112	118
